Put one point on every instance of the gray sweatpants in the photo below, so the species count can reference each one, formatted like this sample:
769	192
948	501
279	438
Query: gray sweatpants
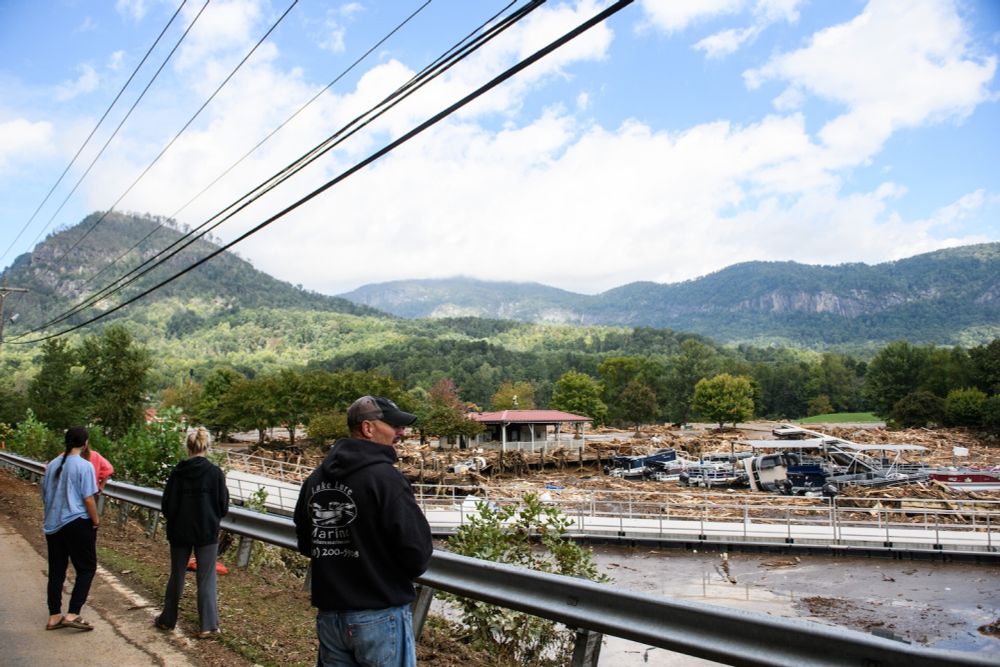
208	605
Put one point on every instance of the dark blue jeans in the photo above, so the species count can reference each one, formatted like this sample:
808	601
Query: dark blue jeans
77	542
371	638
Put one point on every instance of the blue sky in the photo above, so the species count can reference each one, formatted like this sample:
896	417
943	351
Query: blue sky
677	138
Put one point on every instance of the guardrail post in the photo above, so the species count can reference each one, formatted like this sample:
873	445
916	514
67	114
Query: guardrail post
421	607
244	551
122	513
587	648
100	504
154	522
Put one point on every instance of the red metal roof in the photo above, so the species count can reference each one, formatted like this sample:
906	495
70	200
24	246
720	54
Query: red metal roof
526	417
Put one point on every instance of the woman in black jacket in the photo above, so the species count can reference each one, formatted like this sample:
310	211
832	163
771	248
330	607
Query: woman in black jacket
194	501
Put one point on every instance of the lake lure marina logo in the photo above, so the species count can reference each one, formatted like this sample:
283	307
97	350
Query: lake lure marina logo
332	509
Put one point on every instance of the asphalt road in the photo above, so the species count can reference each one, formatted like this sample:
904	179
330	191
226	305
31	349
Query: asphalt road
123	634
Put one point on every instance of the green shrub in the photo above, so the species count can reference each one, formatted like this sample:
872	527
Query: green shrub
32	439
964	407
918	409
147	452
509	535
327	426
991	414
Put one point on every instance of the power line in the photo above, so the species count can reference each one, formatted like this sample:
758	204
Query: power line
119	127
259	143
90	136
186	125
496	81
454	54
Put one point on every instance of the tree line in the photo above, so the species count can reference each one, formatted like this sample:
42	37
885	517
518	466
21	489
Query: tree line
107	379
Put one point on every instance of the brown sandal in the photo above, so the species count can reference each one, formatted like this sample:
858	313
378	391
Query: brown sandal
77	623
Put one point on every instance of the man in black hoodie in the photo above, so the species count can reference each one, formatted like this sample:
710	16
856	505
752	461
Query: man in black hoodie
367	539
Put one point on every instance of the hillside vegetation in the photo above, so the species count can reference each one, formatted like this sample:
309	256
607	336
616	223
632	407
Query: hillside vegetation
947	297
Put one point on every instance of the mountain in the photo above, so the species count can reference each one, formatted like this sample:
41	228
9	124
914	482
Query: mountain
69	266
944	297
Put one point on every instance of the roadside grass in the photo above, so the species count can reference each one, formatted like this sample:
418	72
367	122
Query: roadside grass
841	418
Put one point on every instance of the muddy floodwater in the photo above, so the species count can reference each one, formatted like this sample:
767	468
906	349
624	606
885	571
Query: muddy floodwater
930	603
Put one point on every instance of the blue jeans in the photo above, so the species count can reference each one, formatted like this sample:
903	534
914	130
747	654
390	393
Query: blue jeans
371	638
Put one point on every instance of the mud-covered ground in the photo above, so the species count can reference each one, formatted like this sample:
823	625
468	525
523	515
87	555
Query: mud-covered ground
937	604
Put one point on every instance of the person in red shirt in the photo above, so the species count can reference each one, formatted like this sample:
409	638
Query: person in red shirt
102	467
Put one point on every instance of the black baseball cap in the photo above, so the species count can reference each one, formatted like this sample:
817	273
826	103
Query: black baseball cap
378	407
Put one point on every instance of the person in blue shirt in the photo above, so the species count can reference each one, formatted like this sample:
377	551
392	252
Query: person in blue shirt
70	526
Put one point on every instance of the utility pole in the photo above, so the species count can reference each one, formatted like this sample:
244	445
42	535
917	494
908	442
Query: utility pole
4	291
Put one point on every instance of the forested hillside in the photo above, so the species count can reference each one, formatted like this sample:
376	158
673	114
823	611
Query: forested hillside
227	317
948	297
73	263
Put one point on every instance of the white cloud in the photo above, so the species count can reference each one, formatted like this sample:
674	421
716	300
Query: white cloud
224	27
85	83
87	25
894	66
676	15
115	61
495	193
726	42
765	13
134	9
21	139
335	26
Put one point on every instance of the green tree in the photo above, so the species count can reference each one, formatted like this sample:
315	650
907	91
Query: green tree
895	372
986	366
210	412
783	389
615	374
724	398
445	415
514	396
580	394
991	414
326	426
185	396
294	397
820	405
57	394
834	379
248	405
918	409
964	407
638	404
116	371
13	404
695	362
508	535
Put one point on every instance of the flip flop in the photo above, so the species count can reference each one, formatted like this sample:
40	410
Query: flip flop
208	634
77	623
61	623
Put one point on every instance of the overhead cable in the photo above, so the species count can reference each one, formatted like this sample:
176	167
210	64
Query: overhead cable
92	132
496	81
179	133
115	133
259	144
440	65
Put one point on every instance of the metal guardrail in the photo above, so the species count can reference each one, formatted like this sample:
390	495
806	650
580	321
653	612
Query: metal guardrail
724	635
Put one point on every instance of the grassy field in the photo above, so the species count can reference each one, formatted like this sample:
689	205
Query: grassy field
841	417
